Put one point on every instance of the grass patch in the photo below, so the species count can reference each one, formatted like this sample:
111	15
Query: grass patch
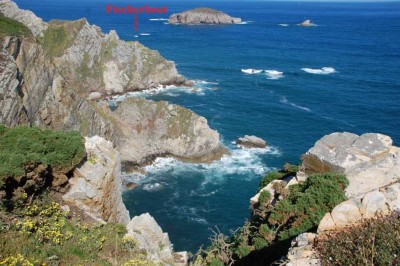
373	242
21	145
11	27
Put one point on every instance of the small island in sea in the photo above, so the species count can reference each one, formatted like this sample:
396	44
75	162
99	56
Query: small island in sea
201	16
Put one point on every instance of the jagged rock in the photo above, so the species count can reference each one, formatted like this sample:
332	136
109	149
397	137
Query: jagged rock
56	82
307	23
96	187
201	16
28	18
151	239
251	142
369	161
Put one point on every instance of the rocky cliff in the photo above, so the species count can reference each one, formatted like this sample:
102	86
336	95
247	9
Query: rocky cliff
371	164
59	77
201	16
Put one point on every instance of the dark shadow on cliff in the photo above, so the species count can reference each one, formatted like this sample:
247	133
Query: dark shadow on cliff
266	256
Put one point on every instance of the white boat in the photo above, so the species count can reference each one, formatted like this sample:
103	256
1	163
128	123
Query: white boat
251	71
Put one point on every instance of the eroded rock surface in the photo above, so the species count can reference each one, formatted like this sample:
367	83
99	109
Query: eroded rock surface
96	187
201	16
369	161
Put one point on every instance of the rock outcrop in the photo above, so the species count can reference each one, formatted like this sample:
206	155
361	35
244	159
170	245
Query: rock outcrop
59	80
251	142
151	239
369	161
371	164
96	186
201	16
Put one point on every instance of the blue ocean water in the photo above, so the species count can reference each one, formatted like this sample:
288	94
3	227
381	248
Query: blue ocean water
360	41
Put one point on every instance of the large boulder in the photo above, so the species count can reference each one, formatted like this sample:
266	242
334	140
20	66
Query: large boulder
369	161
251	142
96	187
201	16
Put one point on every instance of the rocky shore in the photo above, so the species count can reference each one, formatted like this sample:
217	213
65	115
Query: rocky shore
60	76
202	16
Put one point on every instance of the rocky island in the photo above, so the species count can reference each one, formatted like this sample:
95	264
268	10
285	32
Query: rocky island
202	16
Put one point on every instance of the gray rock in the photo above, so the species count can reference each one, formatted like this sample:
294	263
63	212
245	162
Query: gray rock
251	142
96	187
369	161
151	239
201	16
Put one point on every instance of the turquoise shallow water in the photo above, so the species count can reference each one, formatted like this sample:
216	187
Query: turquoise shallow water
360	41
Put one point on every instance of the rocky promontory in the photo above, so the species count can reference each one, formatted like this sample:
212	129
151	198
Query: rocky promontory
202	16
60	76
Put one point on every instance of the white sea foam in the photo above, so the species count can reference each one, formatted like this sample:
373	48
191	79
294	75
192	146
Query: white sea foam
273	74
320	71
244	22
136	36
199	88
284	100
158	19
283	25
153	187
251	71
246	162
145	34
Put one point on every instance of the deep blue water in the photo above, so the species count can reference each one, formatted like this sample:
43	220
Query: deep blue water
360	41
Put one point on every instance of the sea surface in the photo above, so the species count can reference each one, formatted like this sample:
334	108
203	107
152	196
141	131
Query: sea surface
357	91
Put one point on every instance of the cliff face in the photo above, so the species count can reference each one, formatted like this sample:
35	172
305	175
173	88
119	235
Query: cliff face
58	79
199	16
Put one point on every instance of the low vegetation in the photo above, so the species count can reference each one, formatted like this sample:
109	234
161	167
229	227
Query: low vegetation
20	146
11	27
373	242
45	234
274	224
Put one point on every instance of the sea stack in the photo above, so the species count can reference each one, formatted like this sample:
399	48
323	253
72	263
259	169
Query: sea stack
202	16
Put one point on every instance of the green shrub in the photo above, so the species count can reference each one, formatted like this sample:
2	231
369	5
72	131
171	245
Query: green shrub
291	168
374	242
259	243
266	233
216	262
265	197
11	27
307	203
271	177
242	251
22	145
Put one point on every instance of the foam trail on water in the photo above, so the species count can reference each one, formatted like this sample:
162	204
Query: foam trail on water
283	25
145	34
285	101
158	19
319	71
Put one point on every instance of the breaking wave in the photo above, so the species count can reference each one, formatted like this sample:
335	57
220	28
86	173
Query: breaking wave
158	19
251	71
273	74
